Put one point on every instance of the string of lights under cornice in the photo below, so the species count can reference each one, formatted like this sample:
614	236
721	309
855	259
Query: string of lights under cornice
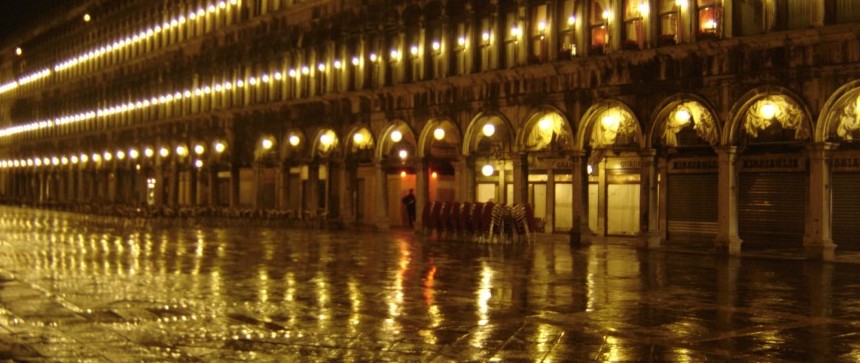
121	43
303	71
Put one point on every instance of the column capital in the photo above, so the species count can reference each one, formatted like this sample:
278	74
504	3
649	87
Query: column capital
822	146
726	149
648	153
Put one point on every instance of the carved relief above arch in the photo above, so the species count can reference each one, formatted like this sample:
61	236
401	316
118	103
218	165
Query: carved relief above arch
683	121
608	125
840	117
546	130
768	115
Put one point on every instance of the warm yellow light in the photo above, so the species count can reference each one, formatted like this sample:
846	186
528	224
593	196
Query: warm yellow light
87	17
489	130
337	64
682	116
768	110
395	54
321	67
606	14
306	70
164	152
108	156
198	163
487	170
681	3
295	140
541	26
133	154
199	149
96	158
358	138
55	161
403	154
64	160
181	150
461	41
19	51
220	147
373	57
515	31
326	139
644	9
439	133
545	124
434	175
436	46
148	152
396	136
120	155
402	174
267	143
589	169
355	61
74	159
611	121
413	50
571	20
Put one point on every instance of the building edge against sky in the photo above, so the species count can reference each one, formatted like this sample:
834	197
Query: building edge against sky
696	123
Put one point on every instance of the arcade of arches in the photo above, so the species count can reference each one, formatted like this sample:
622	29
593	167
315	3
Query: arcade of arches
765	173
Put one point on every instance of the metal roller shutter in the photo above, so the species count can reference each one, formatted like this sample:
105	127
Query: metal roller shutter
771	209
846	211
692	209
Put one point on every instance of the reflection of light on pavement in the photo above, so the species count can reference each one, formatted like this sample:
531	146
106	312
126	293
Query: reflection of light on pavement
432	309
263	281
483	296
354	304
395	299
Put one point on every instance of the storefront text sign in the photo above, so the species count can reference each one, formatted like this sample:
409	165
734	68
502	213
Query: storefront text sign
680	166
773	164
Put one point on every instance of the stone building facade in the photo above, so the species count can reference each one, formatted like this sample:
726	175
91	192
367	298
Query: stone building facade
700	123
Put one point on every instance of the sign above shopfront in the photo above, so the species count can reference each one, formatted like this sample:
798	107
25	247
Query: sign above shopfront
693	165
773	164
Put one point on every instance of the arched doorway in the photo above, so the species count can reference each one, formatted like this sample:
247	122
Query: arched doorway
545	143
611	137
396	155
771	131
839	129
359	161
489	168
685	134
440	155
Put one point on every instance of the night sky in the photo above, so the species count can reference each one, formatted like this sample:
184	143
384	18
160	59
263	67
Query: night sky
17	14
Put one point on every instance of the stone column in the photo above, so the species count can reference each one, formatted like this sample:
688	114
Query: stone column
727	241
112	185
312	203
194	186
258	185
817	241
549	227
601	198
521	178
173	193
282	185
345	188
663	199
381	197
422	193
649	232
580	234
234	185
160	199
212	174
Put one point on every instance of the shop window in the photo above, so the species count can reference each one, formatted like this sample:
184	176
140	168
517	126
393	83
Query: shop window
599	22
539	27
670	20
635	11
567	29
846	11
710	19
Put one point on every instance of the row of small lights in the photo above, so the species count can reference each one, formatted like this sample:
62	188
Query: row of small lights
107	156
149	32
167	98
205	90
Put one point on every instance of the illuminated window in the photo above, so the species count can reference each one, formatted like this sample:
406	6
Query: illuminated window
670	19
710	19
635	11
599	17
567	29
845	11
539	29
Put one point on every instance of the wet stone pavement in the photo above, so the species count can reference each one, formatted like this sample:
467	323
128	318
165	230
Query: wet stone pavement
79	289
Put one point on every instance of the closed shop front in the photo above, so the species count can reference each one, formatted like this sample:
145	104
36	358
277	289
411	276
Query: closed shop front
692	205
846	201
622	196
772	202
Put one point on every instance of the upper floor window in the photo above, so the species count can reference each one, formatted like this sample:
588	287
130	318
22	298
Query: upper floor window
670	22
710	18
540	26
599	15
753	16
567	28
635	11
846	11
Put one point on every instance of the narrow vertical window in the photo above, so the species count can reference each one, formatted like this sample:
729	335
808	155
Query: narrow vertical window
567	29
539	27
635	11
710	17
670	22
599	22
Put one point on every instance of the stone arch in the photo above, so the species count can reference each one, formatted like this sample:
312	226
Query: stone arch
746	115
840	117
356	146
615	119
475	134
429	136
545	126
694	112
385	144
325	143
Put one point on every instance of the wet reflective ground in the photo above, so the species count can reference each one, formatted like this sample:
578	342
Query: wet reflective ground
76	290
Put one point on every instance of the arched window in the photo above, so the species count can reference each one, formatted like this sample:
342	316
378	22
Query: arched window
710	19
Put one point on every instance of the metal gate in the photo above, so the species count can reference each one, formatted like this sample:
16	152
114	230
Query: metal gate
771	210
692	209
846	211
